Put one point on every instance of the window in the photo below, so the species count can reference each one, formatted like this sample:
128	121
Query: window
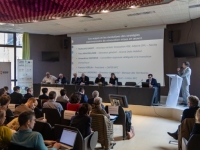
6	38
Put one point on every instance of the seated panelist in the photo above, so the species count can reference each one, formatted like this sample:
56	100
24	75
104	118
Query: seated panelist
61	79
100	80
113	79
75	79
152	82
49	78
84	80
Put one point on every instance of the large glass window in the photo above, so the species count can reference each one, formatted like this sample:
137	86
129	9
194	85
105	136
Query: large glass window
6	38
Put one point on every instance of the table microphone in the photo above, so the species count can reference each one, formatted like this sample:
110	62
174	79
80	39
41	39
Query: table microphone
138	83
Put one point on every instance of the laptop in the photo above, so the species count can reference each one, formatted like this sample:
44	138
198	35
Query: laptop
145	84
68	139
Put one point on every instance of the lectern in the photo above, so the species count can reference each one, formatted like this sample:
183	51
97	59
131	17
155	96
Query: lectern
175	82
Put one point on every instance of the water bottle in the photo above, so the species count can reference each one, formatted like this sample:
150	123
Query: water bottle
115	82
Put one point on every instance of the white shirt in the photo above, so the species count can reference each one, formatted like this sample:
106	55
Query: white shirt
51	79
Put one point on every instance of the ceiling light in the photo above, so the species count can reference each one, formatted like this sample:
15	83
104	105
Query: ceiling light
35	21
105	11
2	23
134	6
80	15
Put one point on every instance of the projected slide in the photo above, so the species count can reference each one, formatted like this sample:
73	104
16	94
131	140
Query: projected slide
130	55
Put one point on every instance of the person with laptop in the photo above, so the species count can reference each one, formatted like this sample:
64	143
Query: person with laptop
153	84
28	138
82	121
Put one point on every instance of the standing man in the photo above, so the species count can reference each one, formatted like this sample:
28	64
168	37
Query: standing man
153	84
75	79
100	80
49	78
84	80
61	79
185	74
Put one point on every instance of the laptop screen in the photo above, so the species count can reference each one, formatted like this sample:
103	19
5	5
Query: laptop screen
68	137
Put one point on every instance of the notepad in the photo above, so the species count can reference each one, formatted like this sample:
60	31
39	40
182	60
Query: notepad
112	117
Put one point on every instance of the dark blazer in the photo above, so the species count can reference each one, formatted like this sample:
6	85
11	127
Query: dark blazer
196	129
86	81
153	82
100	80
91	101
112	81
75	81
189	113
84	98
43	96
83	123
26	97
16	98
63	81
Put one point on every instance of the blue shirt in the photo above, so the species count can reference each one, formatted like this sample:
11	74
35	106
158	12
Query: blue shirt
30	139
53	105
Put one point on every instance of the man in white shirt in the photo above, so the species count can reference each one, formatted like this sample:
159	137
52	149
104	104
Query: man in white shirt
49	78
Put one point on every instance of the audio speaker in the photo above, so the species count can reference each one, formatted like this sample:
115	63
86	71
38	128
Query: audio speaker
170	36
65	44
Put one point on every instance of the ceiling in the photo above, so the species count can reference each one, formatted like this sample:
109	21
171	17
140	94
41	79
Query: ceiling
174	12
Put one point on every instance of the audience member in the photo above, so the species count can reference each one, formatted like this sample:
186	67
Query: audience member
97	109
28	138
5	132
74	102
2	91
6	88
75	79
28	94
4	102
49	79
84	98
63	96
16	96
84	80
113	79
61	79
44	95
51	103
94	95
196	128
82	121
193	102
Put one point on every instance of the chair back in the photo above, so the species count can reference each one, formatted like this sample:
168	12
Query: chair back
100	124
91	83
130	83
38	112
45	129
12	107
39	103
13	146
53	116
119	83
193	143
79	139
64	104
66	116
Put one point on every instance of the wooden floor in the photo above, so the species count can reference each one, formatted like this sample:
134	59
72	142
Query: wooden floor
150	134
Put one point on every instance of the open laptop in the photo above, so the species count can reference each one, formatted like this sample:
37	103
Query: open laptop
68	139
145	84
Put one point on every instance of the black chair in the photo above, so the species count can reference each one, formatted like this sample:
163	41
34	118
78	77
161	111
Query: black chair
159	91
130	83
64	104
91	83
121	120
13	146
87	143
192	144
53	116
45	129
119	83
39	103
38	112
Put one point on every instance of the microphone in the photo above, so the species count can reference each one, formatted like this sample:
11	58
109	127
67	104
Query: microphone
138	83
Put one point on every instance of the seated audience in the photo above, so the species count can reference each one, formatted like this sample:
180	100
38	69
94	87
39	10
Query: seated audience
97	109
49	79
94	95
27	95
5	132
74	102
4	102
193	102
28	106
51	103
75	79
82	121
2	91
84	98
196	128
100	80
84	80
6	88
16	96
113	79
61	79
44	95
28	138
63	97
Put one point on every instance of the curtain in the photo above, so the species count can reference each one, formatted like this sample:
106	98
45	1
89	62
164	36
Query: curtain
26	46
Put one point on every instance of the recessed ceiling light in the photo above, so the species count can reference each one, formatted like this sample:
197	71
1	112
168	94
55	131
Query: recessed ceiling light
80	15
105	11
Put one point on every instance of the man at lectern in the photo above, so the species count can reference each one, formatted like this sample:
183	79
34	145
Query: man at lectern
84	80
153	84
185	74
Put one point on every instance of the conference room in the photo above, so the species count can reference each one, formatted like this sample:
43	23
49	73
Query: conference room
135	63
